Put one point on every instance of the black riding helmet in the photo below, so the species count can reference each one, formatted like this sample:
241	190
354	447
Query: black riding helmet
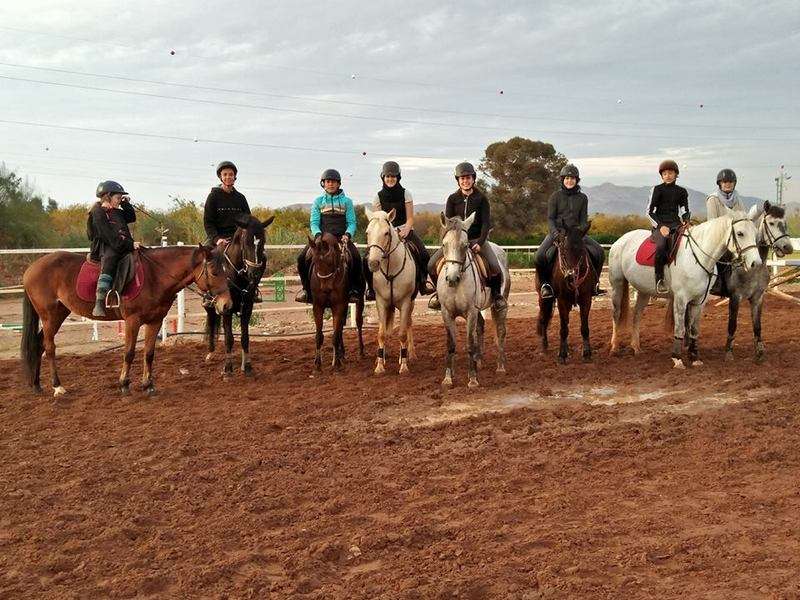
226	164
570	170
463	169
668	165
329	174
726	175
109	187
390	168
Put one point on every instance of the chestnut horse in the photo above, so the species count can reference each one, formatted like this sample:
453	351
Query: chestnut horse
50	296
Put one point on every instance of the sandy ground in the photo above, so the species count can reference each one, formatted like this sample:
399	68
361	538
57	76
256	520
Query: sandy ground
617	478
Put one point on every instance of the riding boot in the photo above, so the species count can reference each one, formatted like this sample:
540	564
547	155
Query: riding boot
495	284
661	286
103	286
257	299
545	289
368	276
304	295
434	303
719	288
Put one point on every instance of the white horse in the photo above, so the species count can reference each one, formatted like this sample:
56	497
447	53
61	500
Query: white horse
689	278
389	258
462	294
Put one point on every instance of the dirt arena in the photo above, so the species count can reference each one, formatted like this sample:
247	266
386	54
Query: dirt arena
618	478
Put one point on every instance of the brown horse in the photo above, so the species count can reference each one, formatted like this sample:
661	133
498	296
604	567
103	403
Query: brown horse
574	280
50	295
329	275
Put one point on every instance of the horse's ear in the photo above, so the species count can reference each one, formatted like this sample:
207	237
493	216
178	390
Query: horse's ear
242	220
767	205
443	219
268	222
310	240
368	212
392	215
468	222
206	250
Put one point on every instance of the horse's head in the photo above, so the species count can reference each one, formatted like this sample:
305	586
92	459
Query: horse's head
772	229
210	276
571	248
455	244
250	242
742	240
326	257
381	237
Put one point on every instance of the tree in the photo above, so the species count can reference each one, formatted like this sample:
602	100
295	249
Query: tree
522	175
23	221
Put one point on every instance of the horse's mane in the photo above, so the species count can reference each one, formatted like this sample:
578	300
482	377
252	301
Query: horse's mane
779	212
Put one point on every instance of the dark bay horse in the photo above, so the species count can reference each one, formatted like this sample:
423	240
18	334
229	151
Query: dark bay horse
50	296
574	280
245	263
329	276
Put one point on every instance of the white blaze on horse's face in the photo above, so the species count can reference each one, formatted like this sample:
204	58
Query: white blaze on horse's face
379	237
742	241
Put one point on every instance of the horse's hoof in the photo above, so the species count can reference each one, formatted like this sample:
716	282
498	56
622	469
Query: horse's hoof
677	363
150	390
125	390
473	383
562	360
209	356
59	391
380	369
36	389
403	368
247	370
729	356
500	369
587	358
447	382
697	363
760	358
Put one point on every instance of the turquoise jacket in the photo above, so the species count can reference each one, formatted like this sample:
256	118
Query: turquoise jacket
333	214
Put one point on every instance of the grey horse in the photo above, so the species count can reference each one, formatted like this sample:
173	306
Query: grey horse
463	294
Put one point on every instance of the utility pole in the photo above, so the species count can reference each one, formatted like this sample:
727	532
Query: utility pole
779	181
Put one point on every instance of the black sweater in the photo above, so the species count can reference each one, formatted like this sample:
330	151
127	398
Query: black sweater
669	203
460	206
108	229
220	212
567	209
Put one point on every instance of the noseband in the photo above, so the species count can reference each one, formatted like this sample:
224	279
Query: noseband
768	234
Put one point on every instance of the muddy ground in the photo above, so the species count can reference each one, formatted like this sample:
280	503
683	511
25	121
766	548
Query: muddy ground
617	478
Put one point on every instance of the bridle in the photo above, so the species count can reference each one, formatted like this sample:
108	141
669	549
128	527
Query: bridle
208	296
337	270
386	256
242	272
767	233
572	273
738	258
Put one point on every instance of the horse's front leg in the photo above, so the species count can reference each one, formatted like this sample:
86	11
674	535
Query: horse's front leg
150	335
733	318
642	300
694	313
405	319
319	311
679	331
585	309
132	325
227	324
360	326
756	306
244	320
380	361
563	315
473	350
339	318
450	327
50	326
499	318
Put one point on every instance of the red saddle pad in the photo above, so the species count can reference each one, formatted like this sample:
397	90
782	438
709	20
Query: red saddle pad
86	284
646	254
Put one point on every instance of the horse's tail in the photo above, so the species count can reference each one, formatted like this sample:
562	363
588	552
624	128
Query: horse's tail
624	305
212	328
669	317
31	346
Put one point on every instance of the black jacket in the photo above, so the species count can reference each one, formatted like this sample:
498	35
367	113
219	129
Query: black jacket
669	203
459	206
567	209
107	229
220	212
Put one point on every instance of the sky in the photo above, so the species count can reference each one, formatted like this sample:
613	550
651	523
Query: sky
153	95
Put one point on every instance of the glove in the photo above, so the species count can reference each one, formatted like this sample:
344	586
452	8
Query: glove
687	216
346	239
317	236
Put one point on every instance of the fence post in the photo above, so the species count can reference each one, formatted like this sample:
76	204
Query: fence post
164	322
181	307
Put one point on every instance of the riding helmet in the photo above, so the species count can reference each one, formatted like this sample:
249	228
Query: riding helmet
570	170
726	175
226	164
668	165
463	169
329	174
390	168
109	187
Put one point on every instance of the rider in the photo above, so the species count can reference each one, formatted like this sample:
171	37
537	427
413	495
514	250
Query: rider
394	196
722	201
107	228
332	212
462	203
664	209
223	205
567	209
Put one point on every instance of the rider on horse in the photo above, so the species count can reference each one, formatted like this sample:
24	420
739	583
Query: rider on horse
664	209
567	209
223	205
107	229
395	196
462	203
722	201
333	212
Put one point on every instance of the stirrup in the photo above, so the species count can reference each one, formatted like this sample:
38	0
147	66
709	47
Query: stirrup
546	291
257	296
598	291
427	288
370	295
302	296
661	287
434	303
108	298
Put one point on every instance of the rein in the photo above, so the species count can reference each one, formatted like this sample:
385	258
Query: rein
768	234
732	236
205	296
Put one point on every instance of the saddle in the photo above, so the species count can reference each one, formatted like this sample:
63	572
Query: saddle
128	282
483	269
646	254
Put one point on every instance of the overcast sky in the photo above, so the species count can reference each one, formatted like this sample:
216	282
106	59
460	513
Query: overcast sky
287	89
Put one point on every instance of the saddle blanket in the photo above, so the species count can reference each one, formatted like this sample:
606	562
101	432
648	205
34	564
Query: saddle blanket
646	254
86	283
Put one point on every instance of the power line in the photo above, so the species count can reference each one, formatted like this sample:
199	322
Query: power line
715	126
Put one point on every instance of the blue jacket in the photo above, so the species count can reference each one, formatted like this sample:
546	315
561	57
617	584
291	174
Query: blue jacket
333	214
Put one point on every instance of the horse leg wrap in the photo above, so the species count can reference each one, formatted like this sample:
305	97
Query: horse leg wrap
381	353
403	353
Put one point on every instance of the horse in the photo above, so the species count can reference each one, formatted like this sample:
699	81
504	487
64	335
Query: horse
245	262
389	257
462	293
50	295
574	279
751	284
328	279
689	278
